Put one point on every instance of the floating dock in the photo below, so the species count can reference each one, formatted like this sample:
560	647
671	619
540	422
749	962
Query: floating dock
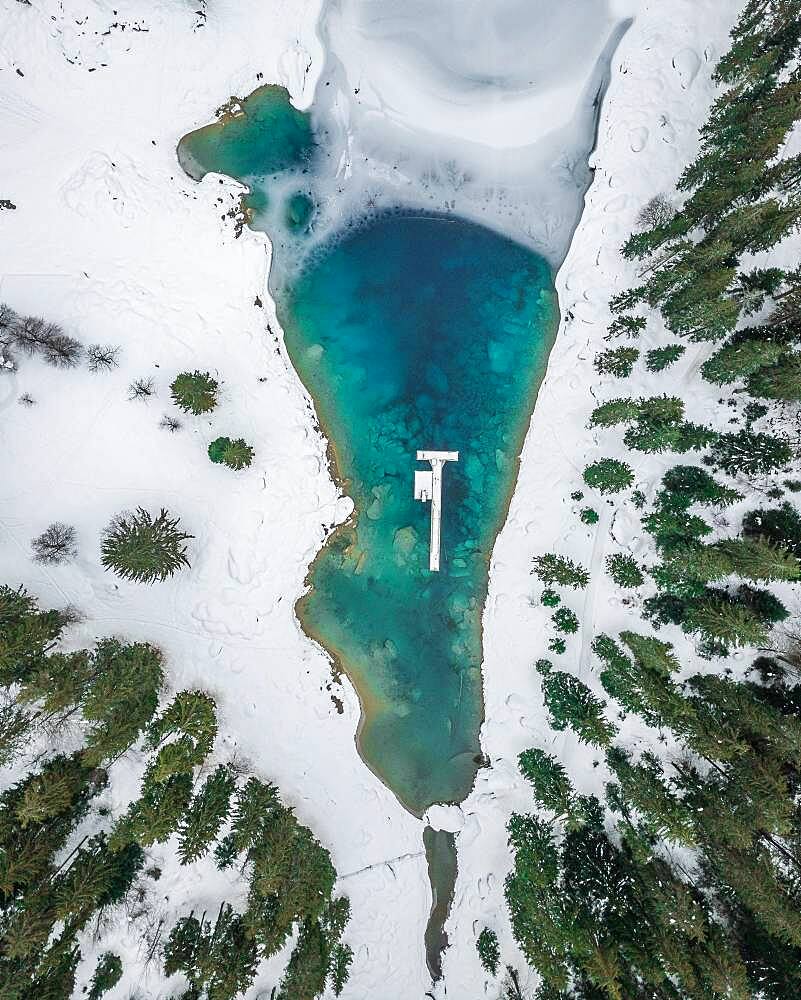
428	488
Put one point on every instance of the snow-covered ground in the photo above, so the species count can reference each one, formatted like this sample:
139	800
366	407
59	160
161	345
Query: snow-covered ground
111	240
659	95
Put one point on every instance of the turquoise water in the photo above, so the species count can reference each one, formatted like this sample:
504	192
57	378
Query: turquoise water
417	332
409	331
261	142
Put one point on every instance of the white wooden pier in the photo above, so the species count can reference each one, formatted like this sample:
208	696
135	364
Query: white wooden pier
428	488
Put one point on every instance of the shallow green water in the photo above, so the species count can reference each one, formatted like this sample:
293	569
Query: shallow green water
409	332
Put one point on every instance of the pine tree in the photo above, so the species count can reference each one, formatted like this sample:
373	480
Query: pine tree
206	814
195	392
571	703
750	454
779	525
191	716
780	381
26	634
644	788
608	475
108	973
739	359
626	326
690	484
624	571
488	950
121	696
220	961
307	970
565	621
616	411
15	732
143	548
756	559
618	362
552	568
235	454
548	778
731	622
661	357
341	960
156	814
225	853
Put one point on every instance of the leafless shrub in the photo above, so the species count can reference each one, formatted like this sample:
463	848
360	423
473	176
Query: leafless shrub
102	357
657	212
171	424
141	388
55	545
26	399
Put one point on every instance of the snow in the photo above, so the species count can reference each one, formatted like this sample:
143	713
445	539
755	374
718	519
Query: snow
111	240
659	94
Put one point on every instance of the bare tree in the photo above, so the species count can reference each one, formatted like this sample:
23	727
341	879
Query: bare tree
55	545
29	334
657	212
141	388
33	335
102	357
26	399
61	350
168	423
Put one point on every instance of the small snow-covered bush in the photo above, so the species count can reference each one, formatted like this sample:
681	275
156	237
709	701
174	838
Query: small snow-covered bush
565	620
168	423
550	598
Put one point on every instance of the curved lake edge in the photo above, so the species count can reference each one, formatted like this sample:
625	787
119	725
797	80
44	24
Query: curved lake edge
338	659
